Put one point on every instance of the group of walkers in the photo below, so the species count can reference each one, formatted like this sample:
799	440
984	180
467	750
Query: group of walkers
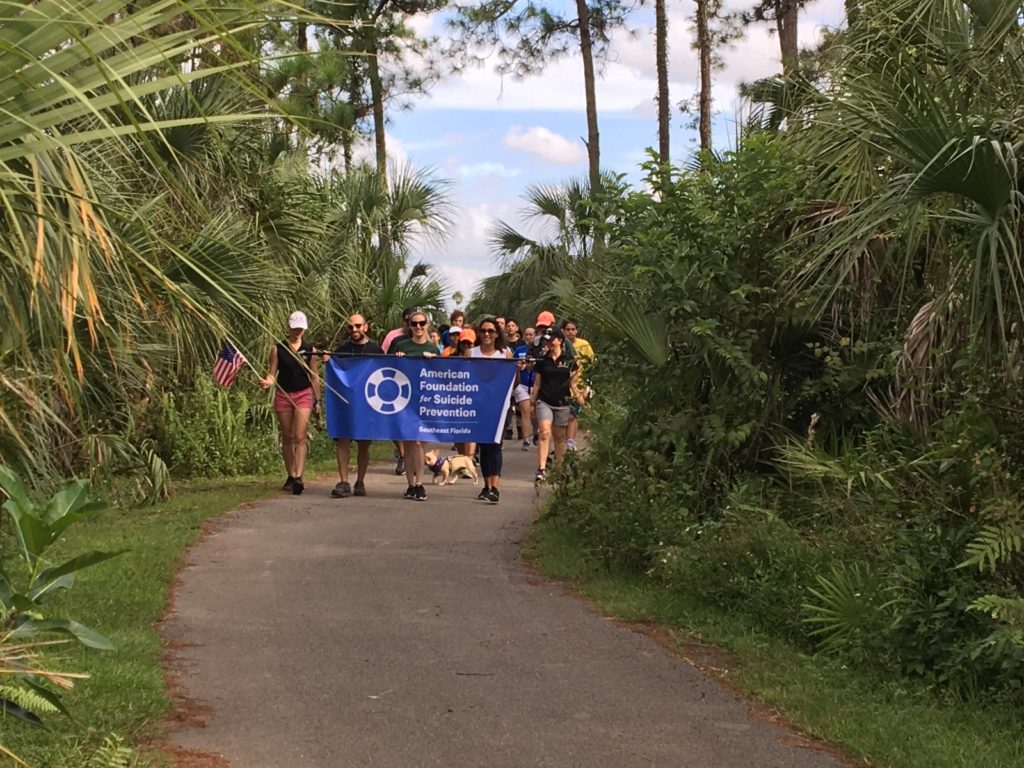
548	392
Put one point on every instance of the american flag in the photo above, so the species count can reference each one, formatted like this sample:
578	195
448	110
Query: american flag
229	362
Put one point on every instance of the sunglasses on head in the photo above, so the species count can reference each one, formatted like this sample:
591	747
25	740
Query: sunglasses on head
418	323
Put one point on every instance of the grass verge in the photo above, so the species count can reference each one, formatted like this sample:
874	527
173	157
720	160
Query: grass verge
877	722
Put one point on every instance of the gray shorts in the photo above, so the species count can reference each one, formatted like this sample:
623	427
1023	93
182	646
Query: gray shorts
556	414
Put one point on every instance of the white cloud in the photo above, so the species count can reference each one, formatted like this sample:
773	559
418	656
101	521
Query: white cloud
488	169
544	144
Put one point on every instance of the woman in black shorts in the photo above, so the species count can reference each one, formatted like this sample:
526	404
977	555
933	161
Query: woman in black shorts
555	384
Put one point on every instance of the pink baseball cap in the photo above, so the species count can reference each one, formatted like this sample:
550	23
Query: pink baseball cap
545	318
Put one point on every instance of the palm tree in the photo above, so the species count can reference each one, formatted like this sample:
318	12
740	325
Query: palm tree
124	240
923	146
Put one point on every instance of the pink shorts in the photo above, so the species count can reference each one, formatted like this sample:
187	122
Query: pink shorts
293	401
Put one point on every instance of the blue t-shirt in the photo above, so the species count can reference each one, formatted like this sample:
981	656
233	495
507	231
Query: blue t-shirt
525	375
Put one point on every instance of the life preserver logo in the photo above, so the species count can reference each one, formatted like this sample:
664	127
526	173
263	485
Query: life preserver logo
388	390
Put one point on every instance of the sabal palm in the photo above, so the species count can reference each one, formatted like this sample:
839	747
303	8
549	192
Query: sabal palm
110	248
923	133
564	243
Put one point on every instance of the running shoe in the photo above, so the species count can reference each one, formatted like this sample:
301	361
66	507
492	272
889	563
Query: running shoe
400	466
484	494
341	490
410	492
526	445
288	483
541	476
298	487
570	445
359	489
494	496
421	493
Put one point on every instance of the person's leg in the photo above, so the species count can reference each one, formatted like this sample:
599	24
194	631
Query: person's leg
413	450
525	422
362	460
559	432
399	457
285	423
342	452
570	433
300	426
543	441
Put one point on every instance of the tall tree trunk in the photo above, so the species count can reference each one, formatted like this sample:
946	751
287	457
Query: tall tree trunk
787	14
661	48
704	47
593	136
377	96
380	146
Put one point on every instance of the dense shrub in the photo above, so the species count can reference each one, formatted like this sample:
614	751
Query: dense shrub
208	431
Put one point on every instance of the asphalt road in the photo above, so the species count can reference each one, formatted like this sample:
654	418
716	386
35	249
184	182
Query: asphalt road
379	631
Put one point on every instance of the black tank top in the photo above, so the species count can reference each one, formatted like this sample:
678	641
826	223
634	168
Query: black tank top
292	376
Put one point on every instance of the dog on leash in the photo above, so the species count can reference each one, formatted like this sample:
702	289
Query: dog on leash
446	469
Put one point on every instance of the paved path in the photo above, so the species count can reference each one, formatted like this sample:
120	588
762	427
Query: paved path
385	632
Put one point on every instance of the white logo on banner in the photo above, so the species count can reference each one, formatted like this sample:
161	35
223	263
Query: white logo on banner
388	390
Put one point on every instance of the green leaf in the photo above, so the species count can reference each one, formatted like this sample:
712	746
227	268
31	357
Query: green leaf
86	636
54	578
8	707
33	534
14	488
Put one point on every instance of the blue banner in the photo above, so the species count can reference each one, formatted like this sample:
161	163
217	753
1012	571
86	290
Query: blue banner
438	399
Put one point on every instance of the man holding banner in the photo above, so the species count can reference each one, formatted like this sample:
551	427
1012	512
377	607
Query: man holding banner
358	344
416	396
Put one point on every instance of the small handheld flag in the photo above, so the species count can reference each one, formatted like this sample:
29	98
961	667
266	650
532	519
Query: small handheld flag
229	362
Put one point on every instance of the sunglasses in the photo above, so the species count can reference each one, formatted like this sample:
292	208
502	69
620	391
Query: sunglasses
354	327
488	330
417	323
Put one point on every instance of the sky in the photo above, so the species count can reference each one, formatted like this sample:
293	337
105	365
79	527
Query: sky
492	137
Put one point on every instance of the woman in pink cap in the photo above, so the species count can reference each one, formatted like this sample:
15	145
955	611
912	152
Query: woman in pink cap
293	370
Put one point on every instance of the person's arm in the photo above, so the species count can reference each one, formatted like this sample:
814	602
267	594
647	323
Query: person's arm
574	386
268	381
535	391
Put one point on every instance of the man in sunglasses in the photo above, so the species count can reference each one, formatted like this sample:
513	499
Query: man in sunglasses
416	344
358	344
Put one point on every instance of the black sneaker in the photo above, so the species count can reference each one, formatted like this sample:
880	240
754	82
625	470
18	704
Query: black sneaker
484	494
298	487
400	466
410	492
341	490
421	493
541	476
359	489
494	496
288	483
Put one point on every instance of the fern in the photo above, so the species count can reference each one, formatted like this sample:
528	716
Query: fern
994	545
27	699
1009	610
113	754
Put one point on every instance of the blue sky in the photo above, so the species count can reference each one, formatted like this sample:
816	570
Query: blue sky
492	137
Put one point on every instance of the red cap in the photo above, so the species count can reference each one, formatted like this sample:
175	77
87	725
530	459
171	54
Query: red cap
545	318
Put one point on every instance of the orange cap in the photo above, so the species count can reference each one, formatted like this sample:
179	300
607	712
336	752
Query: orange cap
545	318
468	334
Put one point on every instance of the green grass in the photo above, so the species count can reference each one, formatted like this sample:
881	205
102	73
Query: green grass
877	722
